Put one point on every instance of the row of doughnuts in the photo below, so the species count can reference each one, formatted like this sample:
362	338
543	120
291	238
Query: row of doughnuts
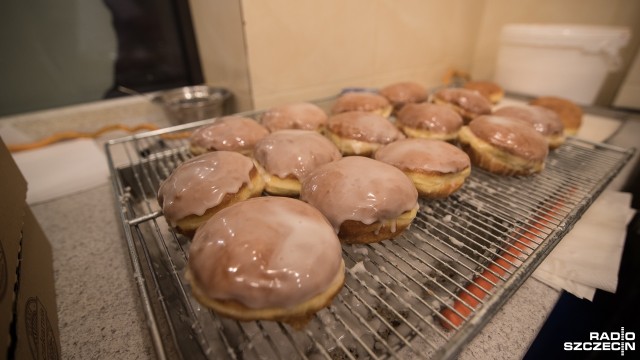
493	142
359	125
285	157
511	139
304	163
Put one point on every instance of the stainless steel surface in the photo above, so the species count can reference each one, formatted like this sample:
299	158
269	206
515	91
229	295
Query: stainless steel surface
495	230
192	103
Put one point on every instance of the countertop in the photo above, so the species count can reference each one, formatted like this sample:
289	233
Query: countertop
100	316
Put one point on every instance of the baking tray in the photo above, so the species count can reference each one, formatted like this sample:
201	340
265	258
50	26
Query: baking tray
427	292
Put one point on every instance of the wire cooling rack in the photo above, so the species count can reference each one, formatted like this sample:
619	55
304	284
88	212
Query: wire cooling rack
440	282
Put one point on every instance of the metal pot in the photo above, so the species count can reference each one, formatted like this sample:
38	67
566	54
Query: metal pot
193	103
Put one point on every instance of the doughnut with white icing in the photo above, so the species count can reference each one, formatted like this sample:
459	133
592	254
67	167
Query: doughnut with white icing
544	120
429	121
436	167
405	92
362	101
300	115
267	258
205	184
364	199
504	146
230	133
468	103
361	133
287	156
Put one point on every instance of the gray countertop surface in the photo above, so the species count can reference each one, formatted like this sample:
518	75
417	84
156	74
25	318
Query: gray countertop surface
100	315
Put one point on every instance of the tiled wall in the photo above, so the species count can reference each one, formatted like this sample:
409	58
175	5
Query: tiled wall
271	52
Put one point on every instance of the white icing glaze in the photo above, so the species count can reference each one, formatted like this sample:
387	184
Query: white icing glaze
437	118
359	101
265	252
201	183
294	152
364	126
545	121
424	155
232	133
304	116
469	100
514	136
360	189
404	92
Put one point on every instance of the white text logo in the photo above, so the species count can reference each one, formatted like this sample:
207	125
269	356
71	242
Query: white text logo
605	341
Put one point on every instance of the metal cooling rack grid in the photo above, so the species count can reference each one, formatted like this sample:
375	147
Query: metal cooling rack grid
490	232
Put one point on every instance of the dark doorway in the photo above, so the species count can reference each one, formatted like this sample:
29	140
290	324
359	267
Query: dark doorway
156	45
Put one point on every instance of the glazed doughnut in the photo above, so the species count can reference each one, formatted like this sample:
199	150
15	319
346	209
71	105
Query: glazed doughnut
544	120
201	186
569	112
286	156
490	90
364	199
360	133
362	101
267	258
301	115
468	103
429	121
402	93
230	133
504	145
436	167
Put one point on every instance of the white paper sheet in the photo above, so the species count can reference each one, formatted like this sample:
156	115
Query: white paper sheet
62	169
588	257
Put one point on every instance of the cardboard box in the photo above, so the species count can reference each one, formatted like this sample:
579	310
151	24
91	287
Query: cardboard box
28	312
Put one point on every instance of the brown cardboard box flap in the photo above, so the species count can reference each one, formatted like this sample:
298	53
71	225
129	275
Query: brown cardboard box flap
37	320
13	192
27	289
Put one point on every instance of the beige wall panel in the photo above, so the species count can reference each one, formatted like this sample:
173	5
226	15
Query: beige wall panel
308	47
306	50
221	44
